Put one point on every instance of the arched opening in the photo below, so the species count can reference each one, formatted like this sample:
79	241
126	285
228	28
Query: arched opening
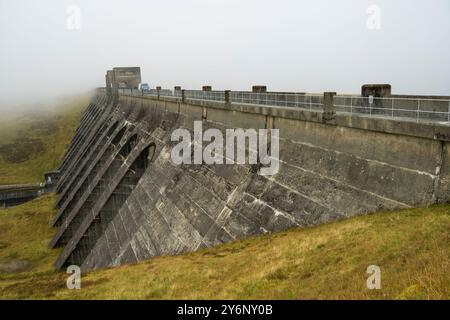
119	136
126	149
112	129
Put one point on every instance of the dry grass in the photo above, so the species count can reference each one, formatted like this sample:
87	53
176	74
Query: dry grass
412	248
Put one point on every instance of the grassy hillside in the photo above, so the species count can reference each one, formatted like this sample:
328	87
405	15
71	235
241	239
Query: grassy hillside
412	248
34	142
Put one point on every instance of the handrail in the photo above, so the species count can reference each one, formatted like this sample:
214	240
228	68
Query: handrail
410	109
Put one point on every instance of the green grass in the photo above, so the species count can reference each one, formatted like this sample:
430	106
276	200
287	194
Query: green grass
412	248
34	143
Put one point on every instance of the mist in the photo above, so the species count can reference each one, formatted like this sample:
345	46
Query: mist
290	45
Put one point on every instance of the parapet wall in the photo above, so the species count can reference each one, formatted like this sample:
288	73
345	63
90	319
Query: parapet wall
122	200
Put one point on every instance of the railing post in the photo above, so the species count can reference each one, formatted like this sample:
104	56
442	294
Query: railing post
351	105
392	107
418	110
206	93
448	115
328	106
183	95
177	91
158	92
227	96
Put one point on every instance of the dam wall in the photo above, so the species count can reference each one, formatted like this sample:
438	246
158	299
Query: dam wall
122	200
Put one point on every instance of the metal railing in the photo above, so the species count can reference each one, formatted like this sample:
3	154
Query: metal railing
290	100
415	109
205	95
151	92
411	109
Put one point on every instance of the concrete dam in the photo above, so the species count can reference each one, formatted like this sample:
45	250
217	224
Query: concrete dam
121	199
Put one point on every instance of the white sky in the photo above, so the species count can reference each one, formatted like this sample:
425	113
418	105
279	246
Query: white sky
314	46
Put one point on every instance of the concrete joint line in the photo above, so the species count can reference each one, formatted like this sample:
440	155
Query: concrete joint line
360	158
404	205
316	201
276	211
439	163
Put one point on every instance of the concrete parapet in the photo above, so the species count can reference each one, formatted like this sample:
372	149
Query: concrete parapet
259	89
328	106
376	90
227	96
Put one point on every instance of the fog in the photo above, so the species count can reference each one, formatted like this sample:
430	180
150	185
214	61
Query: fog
314	46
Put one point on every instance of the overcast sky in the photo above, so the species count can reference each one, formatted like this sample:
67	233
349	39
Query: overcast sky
314	46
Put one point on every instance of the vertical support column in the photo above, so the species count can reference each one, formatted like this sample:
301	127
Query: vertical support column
448	115
177	91
205	110
112	90
205	90
115	90
227	96
158	92
108	84
328	106
183	96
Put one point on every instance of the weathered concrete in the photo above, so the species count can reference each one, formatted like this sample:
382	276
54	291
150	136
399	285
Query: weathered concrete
122	199
376	90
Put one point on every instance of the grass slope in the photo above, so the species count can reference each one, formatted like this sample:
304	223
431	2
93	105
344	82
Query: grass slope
412	248
34	143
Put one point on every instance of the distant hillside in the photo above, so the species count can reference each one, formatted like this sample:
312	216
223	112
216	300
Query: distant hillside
35	142
412	248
